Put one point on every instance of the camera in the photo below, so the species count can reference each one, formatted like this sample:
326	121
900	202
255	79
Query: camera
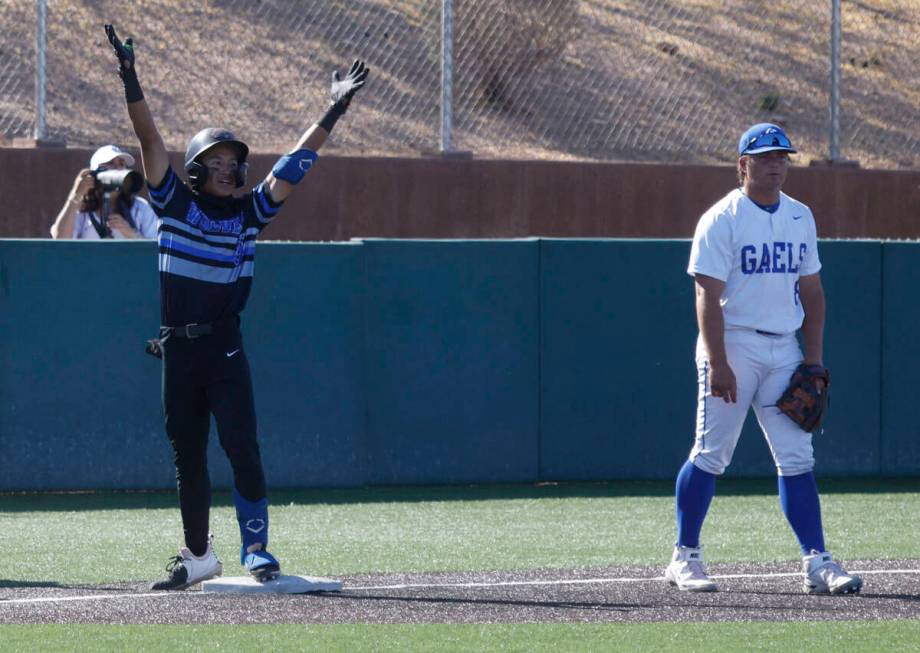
128	182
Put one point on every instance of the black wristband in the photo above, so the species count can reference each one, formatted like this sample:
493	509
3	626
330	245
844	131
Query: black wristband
335	112
133	92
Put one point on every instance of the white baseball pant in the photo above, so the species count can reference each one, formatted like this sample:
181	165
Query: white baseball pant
763	365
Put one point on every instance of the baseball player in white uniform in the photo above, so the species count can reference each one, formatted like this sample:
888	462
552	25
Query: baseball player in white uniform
756	268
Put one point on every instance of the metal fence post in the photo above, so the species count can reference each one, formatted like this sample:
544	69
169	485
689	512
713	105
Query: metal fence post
834	153
41	39
447	73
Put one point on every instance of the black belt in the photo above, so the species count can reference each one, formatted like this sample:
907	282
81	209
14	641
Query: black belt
196	330
769	333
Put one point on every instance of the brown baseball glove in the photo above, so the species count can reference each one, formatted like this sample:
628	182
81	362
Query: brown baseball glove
806	399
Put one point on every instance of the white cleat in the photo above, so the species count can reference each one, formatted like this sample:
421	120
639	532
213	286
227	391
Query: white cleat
187	569
824	576
687	572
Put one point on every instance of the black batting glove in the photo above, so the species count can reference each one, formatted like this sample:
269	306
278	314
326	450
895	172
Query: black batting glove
125	53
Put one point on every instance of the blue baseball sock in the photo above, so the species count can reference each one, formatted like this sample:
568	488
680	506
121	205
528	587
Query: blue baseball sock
253	519
799	497
695	489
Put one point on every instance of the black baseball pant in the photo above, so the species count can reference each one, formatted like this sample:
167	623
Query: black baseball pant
204	376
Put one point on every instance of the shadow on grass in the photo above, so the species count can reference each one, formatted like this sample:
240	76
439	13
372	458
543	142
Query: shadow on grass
9	584
6	583
160	500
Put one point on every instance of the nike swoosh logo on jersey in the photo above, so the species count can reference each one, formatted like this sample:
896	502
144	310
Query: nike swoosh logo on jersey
796	217
231	353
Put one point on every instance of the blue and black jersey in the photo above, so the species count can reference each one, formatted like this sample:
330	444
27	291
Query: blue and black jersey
207	249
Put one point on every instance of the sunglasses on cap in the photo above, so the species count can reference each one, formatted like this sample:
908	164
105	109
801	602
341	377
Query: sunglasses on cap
769	139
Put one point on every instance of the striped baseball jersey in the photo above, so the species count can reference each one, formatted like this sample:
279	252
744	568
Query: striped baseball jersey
207	247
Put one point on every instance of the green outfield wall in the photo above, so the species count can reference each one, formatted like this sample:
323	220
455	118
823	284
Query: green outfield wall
432	361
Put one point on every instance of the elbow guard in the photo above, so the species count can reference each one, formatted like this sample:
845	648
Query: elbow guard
294	165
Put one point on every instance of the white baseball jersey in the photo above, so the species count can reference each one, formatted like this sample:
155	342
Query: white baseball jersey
760	257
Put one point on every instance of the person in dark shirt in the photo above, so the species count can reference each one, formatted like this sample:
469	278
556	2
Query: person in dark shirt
206	236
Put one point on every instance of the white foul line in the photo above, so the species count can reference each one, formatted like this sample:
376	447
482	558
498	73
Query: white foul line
84	597
598	581
507	583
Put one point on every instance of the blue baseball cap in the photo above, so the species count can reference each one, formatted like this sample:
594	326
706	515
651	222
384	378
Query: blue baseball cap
764	137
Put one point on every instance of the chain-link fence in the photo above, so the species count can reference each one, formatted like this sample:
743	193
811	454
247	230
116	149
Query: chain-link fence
641	80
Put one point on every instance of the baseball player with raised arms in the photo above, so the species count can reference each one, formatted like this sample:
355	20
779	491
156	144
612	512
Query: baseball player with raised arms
206	236
755	263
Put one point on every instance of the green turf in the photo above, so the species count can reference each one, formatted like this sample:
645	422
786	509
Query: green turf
342	532
839	637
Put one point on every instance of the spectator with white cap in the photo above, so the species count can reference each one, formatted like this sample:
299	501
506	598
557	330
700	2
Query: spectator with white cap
92	213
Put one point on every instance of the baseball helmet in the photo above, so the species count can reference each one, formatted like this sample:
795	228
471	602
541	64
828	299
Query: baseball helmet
199	146
764	137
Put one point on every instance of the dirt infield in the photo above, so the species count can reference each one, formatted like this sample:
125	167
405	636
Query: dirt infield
612	594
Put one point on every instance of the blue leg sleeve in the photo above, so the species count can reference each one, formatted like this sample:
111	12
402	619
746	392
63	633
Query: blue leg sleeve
799	497
695	489
253	519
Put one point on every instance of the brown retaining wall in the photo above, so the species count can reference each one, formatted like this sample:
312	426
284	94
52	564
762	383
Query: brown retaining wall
345	197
